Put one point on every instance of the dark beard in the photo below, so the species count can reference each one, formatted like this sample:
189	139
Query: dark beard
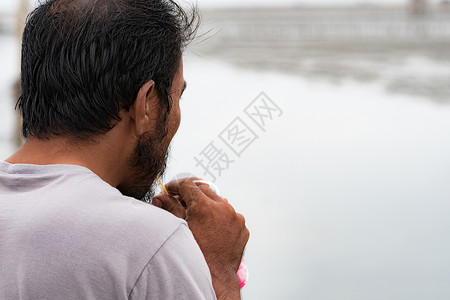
148	162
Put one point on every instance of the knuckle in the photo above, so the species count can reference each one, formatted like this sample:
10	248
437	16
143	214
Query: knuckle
241	218
246	234
228	208
188	191
204	187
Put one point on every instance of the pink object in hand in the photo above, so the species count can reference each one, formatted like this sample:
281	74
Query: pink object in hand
242	273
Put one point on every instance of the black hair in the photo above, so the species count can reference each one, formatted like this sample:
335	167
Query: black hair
83	61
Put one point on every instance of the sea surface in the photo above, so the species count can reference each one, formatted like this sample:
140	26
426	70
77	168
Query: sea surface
345	184
346	194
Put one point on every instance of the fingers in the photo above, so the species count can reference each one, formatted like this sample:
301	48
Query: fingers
188	190
219	230
174	186
208	191
170	204
210	184
178	197
188	187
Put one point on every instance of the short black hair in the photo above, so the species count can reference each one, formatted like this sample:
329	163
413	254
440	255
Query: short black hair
83	61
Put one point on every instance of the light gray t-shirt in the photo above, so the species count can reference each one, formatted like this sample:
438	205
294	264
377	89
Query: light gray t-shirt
67	234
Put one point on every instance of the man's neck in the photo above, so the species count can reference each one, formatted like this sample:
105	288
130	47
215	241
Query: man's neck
99	157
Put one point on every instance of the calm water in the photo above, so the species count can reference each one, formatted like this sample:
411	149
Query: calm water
346	193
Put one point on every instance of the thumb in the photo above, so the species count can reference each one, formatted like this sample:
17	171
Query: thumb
156	202
171	204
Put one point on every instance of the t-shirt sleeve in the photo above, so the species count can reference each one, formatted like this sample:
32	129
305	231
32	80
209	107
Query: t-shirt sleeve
178	270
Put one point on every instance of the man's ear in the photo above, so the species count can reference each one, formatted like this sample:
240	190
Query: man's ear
143	107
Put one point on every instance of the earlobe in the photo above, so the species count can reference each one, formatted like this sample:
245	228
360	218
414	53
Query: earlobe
141	107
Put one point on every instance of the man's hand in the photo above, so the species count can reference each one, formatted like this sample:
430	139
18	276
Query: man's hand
218	229
172	204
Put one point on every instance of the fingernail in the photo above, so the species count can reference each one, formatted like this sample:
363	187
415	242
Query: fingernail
156	202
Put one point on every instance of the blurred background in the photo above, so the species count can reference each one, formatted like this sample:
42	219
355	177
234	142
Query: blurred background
326	123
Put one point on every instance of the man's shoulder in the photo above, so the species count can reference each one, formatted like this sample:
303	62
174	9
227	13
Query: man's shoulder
101	210
90	216
136	221
69	221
